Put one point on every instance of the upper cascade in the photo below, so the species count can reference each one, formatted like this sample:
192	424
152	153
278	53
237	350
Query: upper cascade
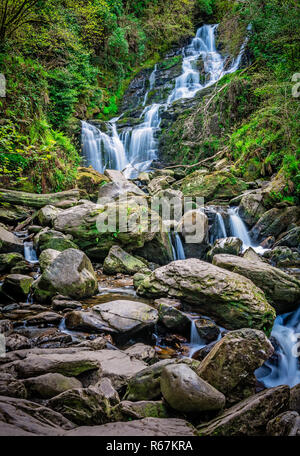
134	150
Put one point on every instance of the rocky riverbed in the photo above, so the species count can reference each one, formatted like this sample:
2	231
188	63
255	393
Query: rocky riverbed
141	333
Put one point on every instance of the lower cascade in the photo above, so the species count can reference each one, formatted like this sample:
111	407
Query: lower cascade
135	149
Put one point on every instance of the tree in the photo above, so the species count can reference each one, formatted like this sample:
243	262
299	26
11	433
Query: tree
16	13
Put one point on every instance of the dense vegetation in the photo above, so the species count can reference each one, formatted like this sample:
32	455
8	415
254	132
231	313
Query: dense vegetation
66	60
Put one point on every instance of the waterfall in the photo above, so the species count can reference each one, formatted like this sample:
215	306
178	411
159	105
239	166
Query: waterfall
29	253
195	340
238	227
218	230
137	147
286	369
180	255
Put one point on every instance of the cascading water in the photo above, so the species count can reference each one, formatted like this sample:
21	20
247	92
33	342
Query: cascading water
179	250
196	343
218	230
29	253
238	227
136	148
285	370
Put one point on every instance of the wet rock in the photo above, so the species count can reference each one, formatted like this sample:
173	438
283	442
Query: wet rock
186	392
9	242
295	398
230	245
274	222
46	215
234	358
168	302
11	387
230	299
268	242
194	227
140	410
251	255
281	289
211	186
44	319
207	329
107	391
49	385
141	351
17	342
145	427
291	238
285	424
173	318
22	417
119	261
251	207
51	338
17	285
145	385
283	257
22	267
9	260
47	257
61	303
249	417
85	321
70	274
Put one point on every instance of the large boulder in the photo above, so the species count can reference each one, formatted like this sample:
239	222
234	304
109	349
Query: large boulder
47	257
251	207
213	186
70	274
285	424
46	215
138	428
282	290
17	285
130	224
231	299
19	417
235	358
139	410
49	385
90	180
291	238
119	261
277	186
173	318
186	392
12	387
54	240
194	227
249	417
274	222
9	242
160	183
230	245
9	260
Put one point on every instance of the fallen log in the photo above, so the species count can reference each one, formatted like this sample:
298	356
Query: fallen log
69	197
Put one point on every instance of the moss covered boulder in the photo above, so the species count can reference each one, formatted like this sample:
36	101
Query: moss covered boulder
219	185
9	242
119	261
230	299
9	260
90	180
17	286
70	274
50	385
52	239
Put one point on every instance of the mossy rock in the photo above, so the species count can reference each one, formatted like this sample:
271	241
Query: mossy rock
90	180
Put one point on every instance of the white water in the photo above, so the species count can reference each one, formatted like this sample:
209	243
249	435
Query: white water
196	343
238	227
178	248
137	147
218	230
29	253
286	371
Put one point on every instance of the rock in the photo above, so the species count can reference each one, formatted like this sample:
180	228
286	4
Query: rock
175	303
291	238
44	319
140	410
119	261
146	427
85	321
11	215
295	398
12	387
169	203
6	327
211	186
126	317
90	180
251	255
186	392
46	215
141	351
234	358
145	385
70	197
283	257
54	240
17	285
276	186
249	417
20	417
173	318
281	289
251	207
9	242
144	177
92	226
107	391
194	227
9	260
61	303
47	257
160	183
230	299
16	342
274	222
70	274
207	329
81	406
287	423
49	385
22	268
96	344
230	245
